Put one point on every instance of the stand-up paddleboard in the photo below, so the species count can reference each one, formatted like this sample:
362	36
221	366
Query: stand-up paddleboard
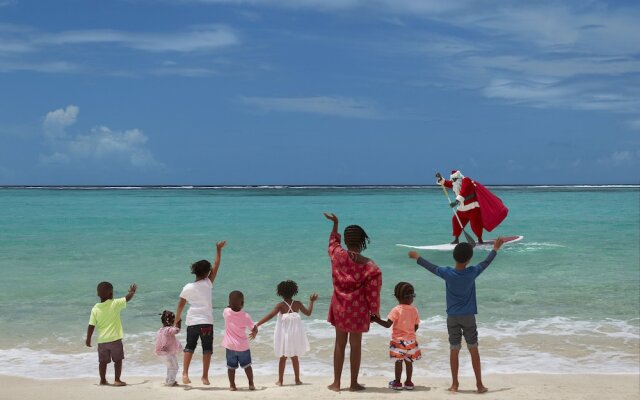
486	245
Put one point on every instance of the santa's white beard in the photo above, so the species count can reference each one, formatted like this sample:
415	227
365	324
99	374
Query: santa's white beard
456	186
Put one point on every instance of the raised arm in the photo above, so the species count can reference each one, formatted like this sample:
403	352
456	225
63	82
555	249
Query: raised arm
268	317
424	263
216	262
334	219
308	311
181	303
132	292
496	246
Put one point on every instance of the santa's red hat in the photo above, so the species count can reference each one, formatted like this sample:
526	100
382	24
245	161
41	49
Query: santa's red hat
456	174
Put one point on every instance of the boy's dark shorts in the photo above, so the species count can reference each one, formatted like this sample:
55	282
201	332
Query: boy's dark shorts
235	358
110	351
205	333
462	325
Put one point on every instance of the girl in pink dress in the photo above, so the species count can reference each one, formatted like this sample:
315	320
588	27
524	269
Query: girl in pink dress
356	297
168	346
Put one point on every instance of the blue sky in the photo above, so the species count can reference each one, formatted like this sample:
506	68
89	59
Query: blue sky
201	92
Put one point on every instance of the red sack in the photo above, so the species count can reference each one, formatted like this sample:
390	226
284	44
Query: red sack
492	209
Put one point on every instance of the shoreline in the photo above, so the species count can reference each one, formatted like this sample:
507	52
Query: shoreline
501	386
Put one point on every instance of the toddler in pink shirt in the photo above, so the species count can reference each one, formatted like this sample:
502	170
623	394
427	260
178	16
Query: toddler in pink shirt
168	346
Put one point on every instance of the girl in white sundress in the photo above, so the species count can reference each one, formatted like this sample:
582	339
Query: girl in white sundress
290	337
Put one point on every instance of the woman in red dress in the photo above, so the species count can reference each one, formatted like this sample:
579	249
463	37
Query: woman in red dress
356	297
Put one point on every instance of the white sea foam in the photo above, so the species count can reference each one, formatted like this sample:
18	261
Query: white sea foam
555	345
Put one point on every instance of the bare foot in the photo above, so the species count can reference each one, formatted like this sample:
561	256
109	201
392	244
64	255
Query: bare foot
482	389
298	382
172	384
334	386
205	380
453	388
252	387
278	383
233	388
119	383
356	388
185	379
104	383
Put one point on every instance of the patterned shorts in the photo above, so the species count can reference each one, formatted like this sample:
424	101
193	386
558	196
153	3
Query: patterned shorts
407	350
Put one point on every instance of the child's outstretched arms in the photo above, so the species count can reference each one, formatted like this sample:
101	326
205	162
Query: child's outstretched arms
309	310
268	317
132	291
487	261
216	262
424	263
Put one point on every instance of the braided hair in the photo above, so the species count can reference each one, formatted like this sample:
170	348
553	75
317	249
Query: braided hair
167	318
356	237
403	290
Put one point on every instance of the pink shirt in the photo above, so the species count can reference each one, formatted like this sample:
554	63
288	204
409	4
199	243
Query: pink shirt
405	318
166	341
236	324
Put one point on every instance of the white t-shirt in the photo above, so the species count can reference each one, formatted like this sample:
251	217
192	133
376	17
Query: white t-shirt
198	295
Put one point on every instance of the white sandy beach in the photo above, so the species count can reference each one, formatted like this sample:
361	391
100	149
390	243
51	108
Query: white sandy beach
513	387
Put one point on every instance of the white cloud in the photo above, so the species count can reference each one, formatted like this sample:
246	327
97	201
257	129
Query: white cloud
189	72
201	39
560	56
53	67
55	122
623	158
388	6
324	105
53	159
634	124
101	144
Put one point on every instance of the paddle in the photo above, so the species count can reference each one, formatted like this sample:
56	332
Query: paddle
466	235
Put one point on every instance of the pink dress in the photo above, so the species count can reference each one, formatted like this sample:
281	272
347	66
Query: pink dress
166	341
356	289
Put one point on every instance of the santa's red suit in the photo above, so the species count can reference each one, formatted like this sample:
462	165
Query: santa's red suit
468	206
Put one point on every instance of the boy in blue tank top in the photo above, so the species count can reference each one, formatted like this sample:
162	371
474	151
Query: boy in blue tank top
461	305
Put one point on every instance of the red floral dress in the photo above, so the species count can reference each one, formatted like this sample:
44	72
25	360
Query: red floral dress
356	289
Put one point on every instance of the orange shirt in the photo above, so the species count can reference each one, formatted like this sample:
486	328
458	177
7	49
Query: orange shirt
405	318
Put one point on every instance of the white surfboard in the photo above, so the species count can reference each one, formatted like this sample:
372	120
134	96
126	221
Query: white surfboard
487	245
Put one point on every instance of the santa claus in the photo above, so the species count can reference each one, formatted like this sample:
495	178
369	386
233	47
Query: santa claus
476	204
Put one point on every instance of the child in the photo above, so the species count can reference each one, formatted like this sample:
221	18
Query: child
200	314
236	322
403	346
289	338
461	305
106	317
356	296
168	346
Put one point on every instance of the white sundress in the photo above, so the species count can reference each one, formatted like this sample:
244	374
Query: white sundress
290	337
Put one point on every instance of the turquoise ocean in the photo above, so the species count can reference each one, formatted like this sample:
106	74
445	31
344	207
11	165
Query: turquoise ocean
563	300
